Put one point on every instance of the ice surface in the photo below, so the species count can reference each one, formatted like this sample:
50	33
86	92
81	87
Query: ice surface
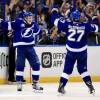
74	91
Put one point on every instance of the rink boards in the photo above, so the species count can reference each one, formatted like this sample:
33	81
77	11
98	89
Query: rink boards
52	62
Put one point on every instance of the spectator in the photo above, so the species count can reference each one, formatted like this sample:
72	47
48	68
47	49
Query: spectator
45	39
96	20
41	17
12	65
90	12
65	9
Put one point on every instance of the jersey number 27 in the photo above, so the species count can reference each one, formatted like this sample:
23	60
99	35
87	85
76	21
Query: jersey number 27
74	32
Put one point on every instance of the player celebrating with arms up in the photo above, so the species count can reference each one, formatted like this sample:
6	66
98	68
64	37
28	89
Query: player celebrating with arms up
24	32
76	44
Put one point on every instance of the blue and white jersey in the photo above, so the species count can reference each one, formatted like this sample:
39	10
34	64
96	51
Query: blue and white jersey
76	33
23	33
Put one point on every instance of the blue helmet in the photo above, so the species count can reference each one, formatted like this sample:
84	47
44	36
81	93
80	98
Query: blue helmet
75	15
26	14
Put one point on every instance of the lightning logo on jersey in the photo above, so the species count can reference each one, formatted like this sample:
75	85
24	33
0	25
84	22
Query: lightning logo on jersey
23	34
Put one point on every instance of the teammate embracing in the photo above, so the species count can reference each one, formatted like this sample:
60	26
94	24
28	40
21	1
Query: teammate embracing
76	45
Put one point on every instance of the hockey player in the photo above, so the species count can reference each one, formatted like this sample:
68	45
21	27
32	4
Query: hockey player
76	45
24	31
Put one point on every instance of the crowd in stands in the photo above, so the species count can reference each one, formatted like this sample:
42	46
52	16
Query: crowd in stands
42	10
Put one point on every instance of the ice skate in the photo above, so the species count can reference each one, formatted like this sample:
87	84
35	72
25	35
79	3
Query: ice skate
19	86
91	90
36	87
61	89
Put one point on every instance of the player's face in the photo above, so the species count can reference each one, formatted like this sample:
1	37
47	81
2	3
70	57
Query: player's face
29	19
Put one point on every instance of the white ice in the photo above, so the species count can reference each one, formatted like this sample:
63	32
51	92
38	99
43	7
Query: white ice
74	91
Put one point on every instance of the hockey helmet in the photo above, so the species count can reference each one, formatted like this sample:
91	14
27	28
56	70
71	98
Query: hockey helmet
26	14
75	15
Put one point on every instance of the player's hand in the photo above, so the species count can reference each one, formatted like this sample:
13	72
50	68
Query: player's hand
10	34
53	36
54	33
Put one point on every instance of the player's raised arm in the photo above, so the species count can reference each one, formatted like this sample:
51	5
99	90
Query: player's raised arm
60	24
4	24
37	30
94	28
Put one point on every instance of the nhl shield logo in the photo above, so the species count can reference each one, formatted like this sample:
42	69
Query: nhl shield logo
46	60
